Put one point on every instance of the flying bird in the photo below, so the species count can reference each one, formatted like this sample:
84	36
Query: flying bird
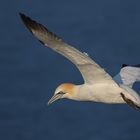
98	85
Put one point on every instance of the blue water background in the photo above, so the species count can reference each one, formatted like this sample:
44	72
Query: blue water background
108	30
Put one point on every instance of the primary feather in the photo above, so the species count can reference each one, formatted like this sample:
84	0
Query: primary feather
82	61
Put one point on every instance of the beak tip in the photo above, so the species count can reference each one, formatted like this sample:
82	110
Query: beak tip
54	98
48	103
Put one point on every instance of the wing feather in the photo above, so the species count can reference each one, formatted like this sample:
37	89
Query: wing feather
90	70
128	75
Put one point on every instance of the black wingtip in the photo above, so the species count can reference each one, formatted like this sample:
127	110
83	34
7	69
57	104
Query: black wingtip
137	65
124	65
23	16
32	25
28	22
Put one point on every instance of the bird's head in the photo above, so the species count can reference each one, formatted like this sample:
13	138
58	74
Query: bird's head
66	90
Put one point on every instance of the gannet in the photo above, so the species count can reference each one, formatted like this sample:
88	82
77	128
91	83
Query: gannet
98	85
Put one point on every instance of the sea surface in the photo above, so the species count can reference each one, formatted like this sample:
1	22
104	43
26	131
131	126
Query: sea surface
108	30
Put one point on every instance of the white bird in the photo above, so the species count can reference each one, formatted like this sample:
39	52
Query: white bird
98	85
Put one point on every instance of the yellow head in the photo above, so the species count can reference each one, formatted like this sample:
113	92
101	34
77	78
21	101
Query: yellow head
66	90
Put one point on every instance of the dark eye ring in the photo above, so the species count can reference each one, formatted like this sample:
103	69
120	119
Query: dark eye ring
60	93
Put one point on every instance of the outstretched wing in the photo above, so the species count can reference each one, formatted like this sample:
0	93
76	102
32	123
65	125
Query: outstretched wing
91	72
128	75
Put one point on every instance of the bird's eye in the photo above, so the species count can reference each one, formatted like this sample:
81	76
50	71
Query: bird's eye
61	92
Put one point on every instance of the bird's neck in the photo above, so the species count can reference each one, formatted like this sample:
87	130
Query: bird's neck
80	93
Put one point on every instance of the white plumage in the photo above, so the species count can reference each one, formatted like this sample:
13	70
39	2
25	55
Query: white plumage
128	75
98	85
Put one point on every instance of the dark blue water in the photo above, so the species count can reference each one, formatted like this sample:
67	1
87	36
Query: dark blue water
109	31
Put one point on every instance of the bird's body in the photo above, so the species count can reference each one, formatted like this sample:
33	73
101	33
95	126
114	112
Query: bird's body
95	92
100	92
98	84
